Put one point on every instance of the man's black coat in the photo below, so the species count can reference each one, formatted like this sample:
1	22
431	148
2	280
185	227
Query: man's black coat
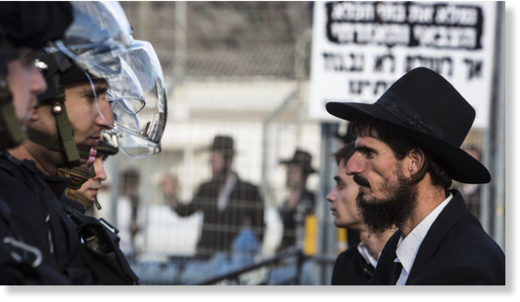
245	208
455	251
351	268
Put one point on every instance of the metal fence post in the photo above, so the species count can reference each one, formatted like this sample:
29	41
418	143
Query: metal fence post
327	230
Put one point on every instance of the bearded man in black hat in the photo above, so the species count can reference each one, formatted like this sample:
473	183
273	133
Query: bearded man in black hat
407	152
229	204
300	202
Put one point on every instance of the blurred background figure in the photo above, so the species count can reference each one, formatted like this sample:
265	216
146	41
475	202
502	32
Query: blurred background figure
228	203
170	189
299	204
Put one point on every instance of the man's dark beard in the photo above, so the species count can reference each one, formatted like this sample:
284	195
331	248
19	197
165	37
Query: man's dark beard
381	214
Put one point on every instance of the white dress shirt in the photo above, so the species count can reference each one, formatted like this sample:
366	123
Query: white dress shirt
365	253
408	247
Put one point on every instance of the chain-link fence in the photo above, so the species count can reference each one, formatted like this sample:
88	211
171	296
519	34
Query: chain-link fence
239	71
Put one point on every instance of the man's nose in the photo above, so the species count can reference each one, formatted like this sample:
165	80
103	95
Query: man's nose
105	117
100	170
331	197
355	164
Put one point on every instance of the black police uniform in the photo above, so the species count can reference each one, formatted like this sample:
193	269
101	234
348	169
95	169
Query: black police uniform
100	249
33	204
20	263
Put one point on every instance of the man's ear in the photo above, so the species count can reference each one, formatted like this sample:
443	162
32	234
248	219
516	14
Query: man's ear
415	161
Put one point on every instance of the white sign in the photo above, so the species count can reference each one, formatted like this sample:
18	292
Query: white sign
361	48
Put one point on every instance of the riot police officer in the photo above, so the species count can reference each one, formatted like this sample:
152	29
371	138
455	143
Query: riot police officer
101	249
23	31
29	185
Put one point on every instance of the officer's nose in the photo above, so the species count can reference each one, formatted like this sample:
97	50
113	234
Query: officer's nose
105	118
38	83
100	170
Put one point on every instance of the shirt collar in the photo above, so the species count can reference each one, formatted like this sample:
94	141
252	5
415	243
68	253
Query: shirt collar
408	247
365	253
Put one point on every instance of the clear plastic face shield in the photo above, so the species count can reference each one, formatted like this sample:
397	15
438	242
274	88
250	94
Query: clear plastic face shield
100	42
95	41
138	101
99	34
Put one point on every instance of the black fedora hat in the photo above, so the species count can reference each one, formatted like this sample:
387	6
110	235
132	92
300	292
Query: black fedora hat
425	108
223	144
302	158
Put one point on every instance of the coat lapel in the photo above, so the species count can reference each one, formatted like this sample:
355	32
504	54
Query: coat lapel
382	272
449	216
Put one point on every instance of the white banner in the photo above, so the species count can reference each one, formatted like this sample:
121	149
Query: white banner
360	48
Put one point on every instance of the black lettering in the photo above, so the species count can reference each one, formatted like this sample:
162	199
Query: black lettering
356	86
381	62
474	68
442	65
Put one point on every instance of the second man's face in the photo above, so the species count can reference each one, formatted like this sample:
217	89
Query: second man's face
217	163
342	200
294	176
90	189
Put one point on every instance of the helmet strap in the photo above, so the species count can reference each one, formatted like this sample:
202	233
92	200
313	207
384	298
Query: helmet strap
77	175
65	142
75	196
65	132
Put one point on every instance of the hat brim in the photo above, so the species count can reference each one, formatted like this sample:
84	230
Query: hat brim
459	164
307	169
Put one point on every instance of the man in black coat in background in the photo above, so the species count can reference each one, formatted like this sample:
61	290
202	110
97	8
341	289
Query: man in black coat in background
228	203
300	202
407	153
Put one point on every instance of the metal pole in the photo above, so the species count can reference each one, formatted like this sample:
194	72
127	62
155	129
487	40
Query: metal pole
180	46
499	135
265	143
114	187
327	230
493	194
144	198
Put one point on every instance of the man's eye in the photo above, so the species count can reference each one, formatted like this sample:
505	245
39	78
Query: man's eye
369	154
90	97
